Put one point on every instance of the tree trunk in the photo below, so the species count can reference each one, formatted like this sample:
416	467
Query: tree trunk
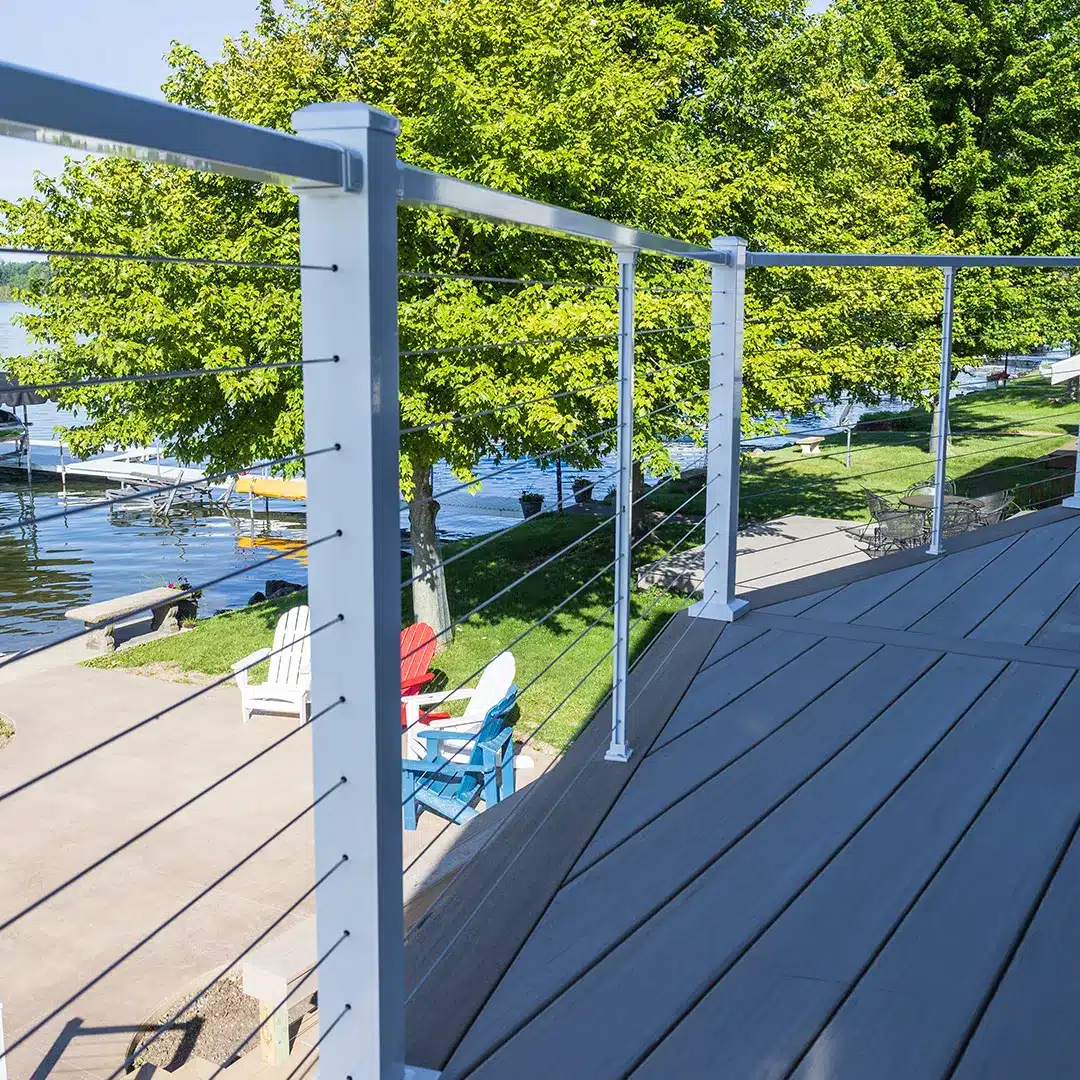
430	602
934	421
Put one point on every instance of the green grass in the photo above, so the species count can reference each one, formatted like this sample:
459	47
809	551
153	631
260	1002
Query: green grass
981	459
550	704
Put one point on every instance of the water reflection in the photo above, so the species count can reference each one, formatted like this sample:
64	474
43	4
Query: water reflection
49	567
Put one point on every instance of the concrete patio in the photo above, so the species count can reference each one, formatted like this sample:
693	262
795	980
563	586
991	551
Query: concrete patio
68	821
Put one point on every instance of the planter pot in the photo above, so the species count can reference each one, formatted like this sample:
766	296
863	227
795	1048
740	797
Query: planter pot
531	507
583	495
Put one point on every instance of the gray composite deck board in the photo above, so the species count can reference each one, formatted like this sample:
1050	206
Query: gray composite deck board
606	902
916	599
1062	631
727	679
978	598
603	1023
860	596
1028	609
760	1017
681	766
1029	1029
799	603
910	1013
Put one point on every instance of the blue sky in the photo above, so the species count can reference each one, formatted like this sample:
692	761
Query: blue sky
116	43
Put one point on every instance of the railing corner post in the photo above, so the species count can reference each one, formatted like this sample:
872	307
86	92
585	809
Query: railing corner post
718	599
619	750
350	313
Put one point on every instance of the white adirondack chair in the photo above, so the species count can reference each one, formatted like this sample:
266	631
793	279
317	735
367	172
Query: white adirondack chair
288	684
495	681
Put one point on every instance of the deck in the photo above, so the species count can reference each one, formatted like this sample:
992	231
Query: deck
845	850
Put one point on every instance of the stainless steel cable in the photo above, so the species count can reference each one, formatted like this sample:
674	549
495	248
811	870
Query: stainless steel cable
150	935
11	920
519	463
517	581
109	740
161	376
447	349
169	1024
318	1042
164	489
181	594
235	1053
488	539
182	260
503	408
486	279
529	629
671	329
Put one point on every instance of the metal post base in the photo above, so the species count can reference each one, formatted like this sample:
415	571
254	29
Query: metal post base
719	610
414	1072
1072	502
618	753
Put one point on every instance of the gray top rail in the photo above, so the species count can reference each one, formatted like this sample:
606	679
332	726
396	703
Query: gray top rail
49	109
419	187
826	258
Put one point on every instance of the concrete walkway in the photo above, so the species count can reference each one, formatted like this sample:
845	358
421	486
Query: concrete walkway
769	552
59	826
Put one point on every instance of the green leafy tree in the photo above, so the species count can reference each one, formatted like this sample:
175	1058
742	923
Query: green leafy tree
693	118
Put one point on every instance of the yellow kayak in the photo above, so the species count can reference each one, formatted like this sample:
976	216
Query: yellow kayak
269	487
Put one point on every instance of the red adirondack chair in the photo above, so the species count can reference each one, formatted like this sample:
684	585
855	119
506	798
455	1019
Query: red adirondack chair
417	652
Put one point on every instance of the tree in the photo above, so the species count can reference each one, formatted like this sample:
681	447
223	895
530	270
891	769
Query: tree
693	118
997	150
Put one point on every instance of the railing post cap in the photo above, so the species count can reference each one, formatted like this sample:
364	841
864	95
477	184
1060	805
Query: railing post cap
342	115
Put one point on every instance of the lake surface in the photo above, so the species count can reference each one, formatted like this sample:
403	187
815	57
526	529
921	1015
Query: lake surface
55	565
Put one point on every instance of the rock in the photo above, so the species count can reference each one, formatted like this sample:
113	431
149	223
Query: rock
256	598
276	588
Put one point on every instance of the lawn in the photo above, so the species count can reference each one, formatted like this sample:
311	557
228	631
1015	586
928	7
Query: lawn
550	659
998	435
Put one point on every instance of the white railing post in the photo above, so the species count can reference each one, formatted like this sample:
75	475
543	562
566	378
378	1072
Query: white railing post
941	448
351	313
724	435
624	502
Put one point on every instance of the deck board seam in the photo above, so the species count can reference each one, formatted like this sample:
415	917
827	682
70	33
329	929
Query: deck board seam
1050	618
658	745
921	890
749	749
913	639
551	998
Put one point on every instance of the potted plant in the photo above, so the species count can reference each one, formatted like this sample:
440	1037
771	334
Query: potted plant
187	610
532	503
1001	377
583	490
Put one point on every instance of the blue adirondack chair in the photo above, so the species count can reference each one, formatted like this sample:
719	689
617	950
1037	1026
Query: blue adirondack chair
440	784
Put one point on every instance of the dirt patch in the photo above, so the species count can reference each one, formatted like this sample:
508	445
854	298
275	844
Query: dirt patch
7	731
171	671
212	1029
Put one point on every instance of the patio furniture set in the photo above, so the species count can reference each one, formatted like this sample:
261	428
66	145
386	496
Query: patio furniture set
906	523
449	760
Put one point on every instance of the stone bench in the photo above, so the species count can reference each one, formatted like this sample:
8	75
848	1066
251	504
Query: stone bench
163	604
810	445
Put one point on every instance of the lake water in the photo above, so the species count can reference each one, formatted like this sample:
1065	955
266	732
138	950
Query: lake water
50	567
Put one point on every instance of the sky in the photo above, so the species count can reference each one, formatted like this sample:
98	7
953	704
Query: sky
115	43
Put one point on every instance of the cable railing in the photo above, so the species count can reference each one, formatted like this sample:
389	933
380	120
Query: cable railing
428	683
